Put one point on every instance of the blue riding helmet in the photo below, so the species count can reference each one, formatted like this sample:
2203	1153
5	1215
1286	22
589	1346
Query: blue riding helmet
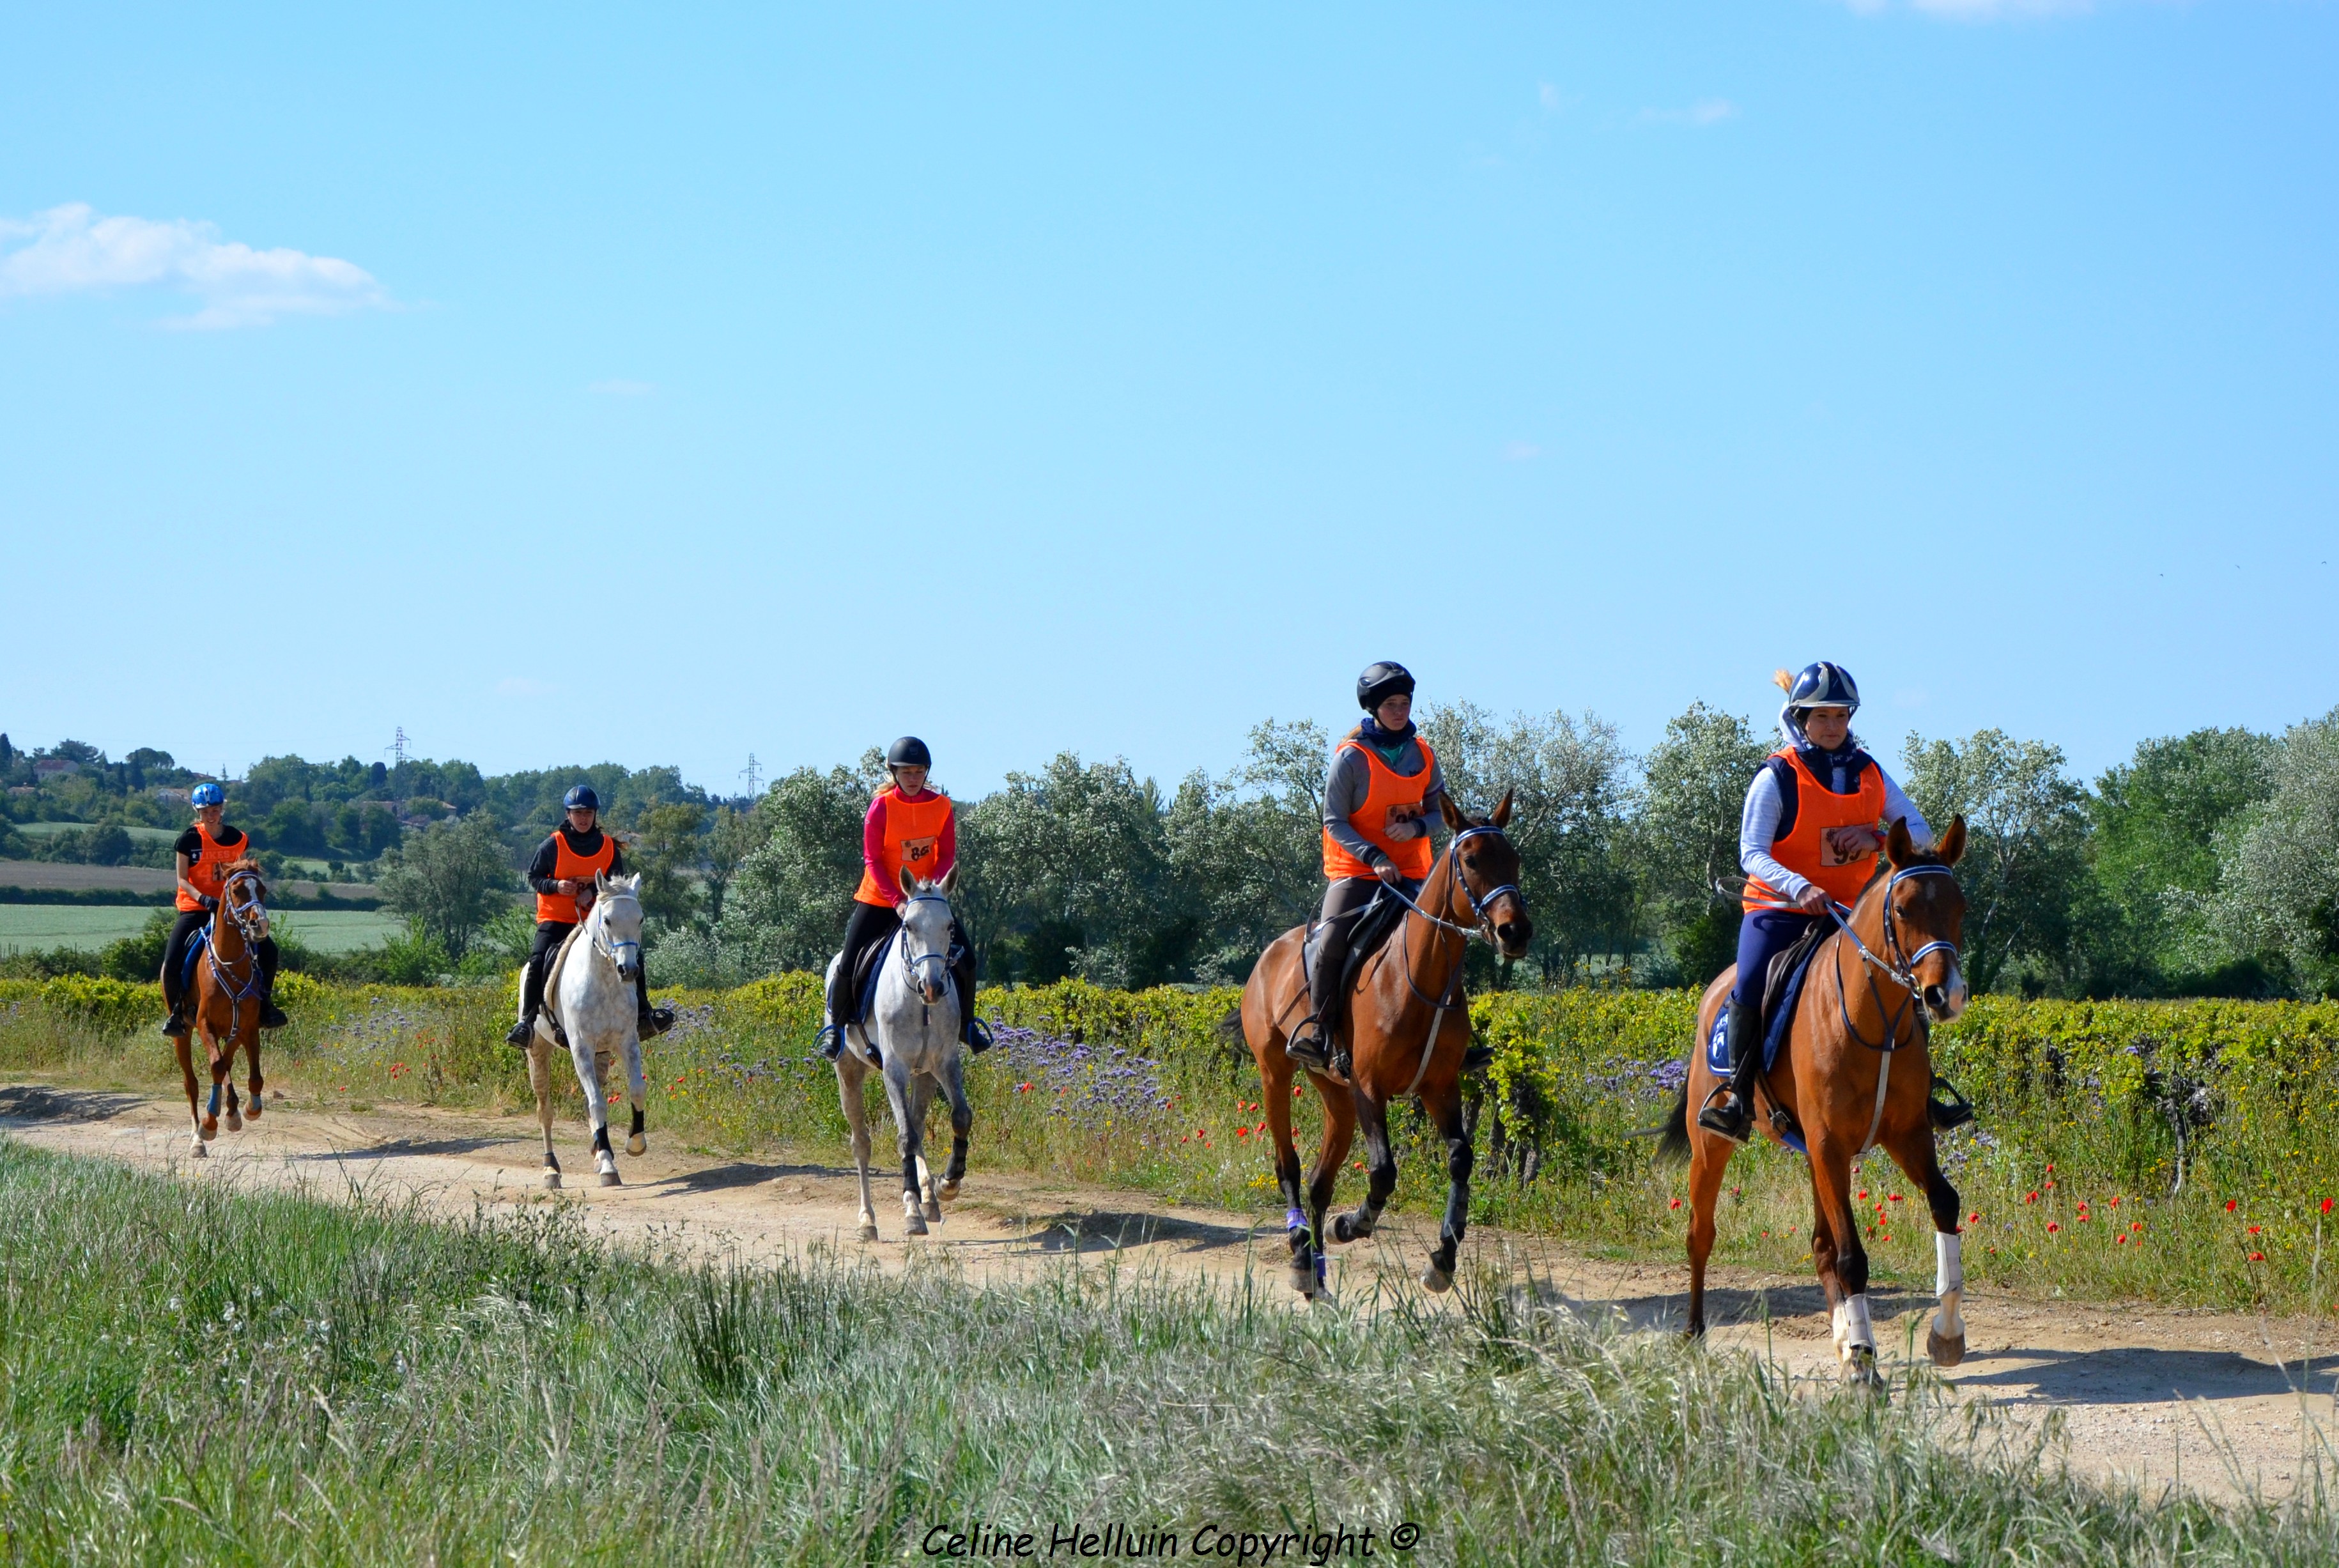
581	798
208	794
1823	686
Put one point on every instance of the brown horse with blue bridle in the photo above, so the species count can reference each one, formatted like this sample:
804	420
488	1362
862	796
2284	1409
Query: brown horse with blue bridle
228	996
1408	1029
1853	1073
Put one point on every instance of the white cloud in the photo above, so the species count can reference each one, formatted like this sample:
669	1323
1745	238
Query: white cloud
622	389
1705	112
70	250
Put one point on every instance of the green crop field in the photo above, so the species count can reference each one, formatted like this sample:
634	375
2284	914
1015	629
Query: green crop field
34	927
142	834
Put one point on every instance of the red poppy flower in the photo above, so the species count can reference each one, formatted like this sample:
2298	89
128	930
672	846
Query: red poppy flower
2136	1225
1242	1133
2257	1258
2052	1228
2231	1204
1863	1192
2120	1240
1674	1204
2326	1205
1895	1198
2115	1201
2254	1229
2030	1197
1974	1219
2051	1170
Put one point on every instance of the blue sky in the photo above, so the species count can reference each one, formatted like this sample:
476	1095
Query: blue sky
573	384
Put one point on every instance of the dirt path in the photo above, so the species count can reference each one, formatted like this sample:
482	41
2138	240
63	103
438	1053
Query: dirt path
2149	1395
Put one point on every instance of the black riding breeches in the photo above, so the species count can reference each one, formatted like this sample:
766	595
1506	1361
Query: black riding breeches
174	955
871	924
549	935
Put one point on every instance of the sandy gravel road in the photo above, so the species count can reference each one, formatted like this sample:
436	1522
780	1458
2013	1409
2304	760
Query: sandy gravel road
2151	1395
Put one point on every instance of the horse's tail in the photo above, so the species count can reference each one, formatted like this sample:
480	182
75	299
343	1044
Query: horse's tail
1673	1140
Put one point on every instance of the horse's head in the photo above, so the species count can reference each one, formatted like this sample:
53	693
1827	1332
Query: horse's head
1486	876
1925	916
617	917
243	899
926	932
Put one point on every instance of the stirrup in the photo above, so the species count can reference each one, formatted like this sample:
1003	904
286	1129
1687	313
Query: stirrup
176	1027
1715	1116
830	1040
1479	1057
977	1035
1945	1114
653	1022
1305	1045
521	1033
272	1016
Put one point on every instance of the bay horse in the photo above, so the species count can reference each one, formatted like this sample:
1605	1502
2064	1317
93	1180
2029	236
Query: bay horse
911	1040
1854	1074
1408	1027
228	1000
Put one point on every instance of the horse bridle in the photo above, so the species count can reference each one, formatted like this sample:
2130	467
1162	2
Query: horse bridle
1484	929
237	991
945	957
1901	968
603	943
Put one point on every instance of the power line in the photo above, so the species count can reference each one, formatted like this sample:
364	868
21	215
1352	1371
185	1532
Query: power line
754	773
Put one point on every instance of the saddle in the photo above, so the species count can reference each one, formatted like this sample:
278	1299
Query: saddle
1371	928
862	984
551	1009
196	943
1782	990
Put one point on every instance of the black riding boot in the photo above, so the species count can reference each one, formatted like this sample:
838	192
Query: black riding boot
270	1015
1729	1109
1310	1043
531	998
1945	1114
649	1021
175	1026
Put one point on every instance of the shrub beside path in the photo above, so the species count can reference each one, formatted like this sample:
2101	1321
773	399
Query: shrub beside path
2210	1401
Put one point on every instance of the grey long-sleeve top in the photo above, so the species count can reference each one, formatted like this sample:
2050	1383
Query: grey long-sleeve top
1351	781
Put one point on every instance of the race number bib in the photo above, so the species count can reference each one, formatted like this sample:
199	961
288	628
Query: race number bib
915	852
1843	845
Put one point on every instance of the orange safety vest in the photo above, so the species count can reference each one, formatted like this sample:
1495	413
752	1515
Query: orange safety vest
1392	799
913	831
568	865
1806	851
207	867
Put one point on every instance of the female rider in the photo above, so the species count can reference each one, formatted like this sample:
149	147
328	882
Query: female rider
1379	800
1815	817
204	852
908	828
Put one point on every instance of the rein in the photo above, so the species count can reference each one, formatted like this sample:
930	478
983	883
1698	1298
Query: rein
1901	971
1452	999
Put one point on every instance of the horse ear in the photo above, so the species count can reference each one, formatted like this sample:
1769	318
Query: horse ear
1952	847
1502	817
1450	811
634	882
600	882
1898	847
947	881
909	882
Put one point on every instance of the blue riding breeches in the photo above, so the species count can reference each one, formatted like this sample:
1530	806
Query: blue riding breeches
1763	935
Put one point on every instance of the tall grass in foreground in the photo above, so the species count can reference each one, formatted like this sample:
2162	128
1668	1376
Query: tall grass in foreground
189	1373
2172	1151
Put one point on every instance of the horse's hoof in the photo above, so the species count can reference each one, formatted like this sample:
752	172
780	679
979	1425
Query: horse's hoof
1344	1229
1436	1280
252	1111
552	1181
611	1178
934	1210
1859	1371
915	1225
638	1145
1947	1350
869	1231
235	1121
949	1190
198	1151
1303	1279
211	1127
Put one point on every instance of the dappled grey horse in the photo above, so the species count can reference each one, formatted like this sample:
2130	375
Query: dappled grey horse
911	1038
591	995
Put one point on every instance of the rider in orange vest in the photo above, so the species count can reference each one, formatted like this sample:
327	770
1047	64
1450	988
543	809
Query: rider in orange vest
1379	801
561	875
1815	816
204	852
909	827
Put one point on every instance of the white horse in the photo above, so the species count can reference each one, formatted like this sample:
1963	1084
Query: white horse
591	992
912	1039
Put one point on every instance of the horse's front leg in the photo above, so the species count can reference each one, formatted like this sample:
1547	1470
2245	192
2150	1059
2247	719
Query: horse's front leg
1276	1081
850	1072
961	1121
254	1082
921	1100
1708	1162
185	1044
1445	1107
597	1107
636	1093
539	1079
1380	1163
907	1138
1845	1275
1913	1152
218	1066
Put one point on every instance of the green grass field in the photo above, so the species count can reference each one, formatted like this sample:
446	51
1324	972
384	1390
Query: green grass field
141	835
192	1374
35	927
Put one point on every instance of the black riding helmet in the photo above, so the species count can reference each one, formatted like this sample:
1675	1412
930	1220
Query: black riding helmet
909	752
1381	682
581	798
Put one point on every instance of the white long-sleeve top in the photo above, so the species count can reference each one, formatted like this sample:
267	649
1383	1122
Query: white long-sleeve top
1758	828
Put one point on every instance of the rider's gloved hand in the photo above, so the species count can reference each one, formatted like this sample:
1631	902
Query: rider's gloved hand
208	901
1812	900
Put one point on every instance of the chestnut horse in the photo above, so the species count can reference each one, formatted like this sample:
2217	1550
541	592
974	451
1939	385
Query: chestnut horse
1854	1074
227	1000
1408	1026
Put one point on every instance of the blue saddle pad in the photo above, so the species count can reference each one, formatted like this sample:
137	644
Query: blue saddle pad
201	940
1787	989
876	968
